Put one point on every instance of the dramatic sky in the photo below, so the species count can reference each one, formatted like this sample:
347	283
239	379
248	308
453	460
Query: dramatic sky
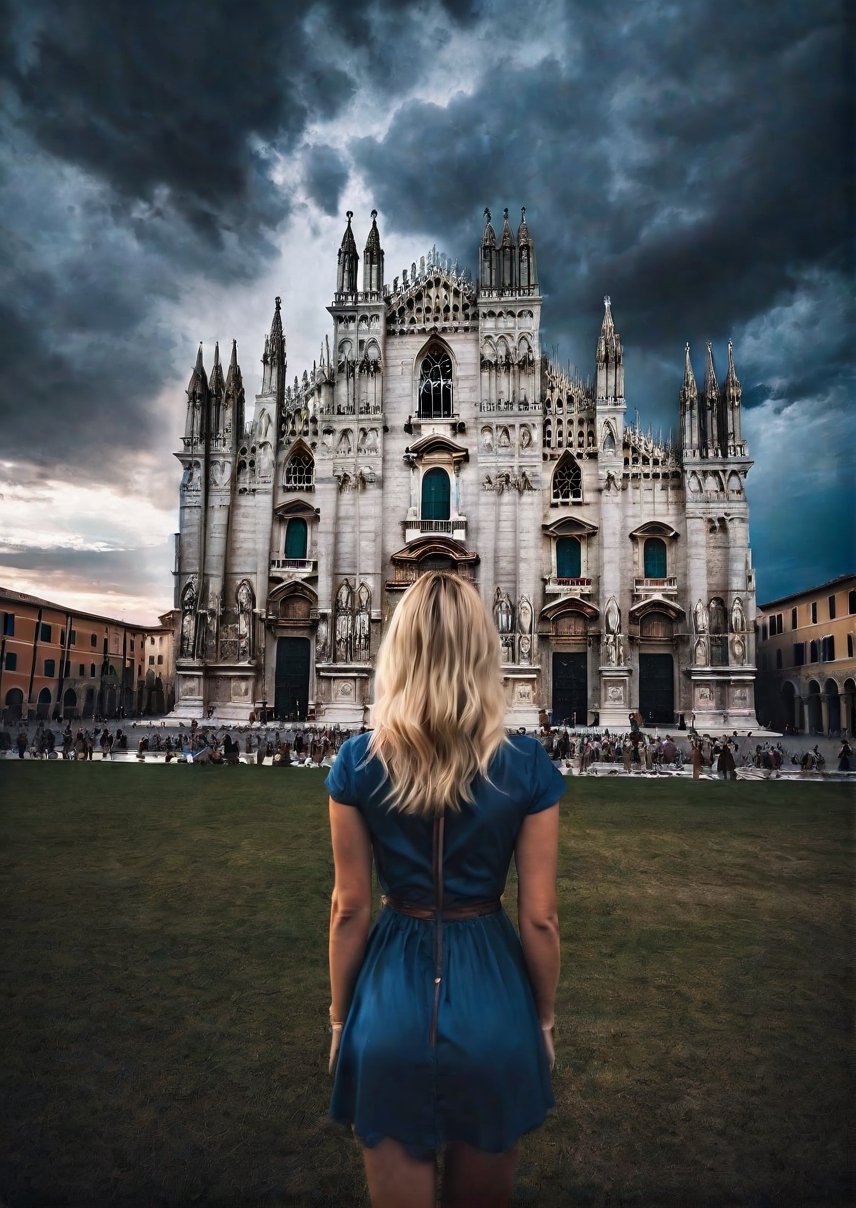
167	168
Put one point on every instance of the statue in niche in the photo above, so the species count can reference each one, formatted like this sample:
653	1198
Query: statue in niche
701	659
487	440
327	439
716	612
526	650
523	482
612	616
344	623
322	639
361	441
245	601
738	617
503	611
344	447
700	616
264	425
525	437
371	442
738	650
362	626
188	610
524	615
504	441
613	648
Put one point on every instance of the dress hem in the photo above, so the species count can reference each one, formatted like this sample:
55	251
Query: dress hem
428	1153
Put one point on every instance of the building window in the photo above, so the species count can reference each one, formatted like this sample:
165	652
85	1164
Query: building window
435	495
50	668
160	660
812	652
793	618
850	645
93	639
778	660
296	535
9	624
11	661
799	654
72	637
567	481
831	602
764	632
655	558
151	640
814	612
81	669
67	670
62	637
851	602
92	670
299	471
827	649
435	385
44	633
151	660
568	558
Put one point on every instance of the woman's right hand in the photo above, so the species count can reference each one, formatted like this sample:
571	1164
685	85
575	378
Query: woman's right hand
548	1032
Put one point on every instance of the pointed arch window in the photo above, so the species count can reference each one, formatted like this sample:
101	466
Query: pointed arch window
567	481
655	558
299	471
295	538
568	558
435	495
436	387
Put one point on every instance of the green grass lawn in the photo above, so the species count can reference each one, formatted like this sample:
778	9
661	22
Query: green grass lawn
164	993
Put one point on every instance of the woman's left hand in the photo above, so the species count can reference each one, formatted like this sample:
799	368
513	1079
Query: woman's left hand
335	1041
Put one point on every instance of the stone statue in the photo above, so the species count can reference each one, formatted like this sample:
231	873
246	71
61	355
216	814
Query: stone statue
188	609
362	626
700	615
701	652
524	615
245	601
322	639
344	623
738	650
503	611
738	617
612	616
525	437
717	616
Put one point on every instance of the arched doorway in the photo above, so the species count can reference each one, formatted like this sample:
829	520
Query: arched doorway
14	705
849	710
291	701
69	702
815	716
790	707
89	703
43	705
833	706
656	663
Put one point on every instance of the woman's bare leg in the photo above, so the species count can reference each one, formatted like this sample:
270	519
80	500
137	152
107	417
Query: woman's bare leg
475	1179
395	1179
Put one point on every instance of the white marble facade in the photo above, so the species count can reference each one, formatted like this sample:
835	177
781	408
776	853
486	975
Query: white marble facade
433	432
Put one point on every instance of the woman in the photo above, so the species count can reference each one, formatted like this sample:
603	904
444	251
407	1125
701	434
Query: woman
442	1018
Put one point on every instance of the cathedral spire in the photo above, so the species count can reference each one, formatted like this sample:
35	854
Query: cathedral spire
713	407
507	256
197	401
233	399
690	433
215	391
488	255
610	359
346	281
373	261
733	393
527	273
274	360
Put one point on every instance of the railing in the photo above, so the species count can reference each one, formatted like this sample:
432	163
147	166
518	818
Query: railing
298	564
662	585
561	583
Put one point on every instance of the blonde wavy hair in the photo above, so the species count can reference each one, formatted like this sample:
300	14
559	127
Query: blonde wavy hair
439	701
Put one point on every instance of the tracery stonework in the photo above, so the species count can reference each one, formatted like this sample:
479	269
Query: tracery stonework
432	431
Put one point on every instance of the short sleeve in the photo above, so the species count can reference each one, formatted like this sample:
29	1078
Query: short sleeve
548	783
340	778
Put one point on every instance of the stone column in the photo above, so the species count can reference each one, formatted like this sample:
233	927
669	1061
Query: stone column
824	712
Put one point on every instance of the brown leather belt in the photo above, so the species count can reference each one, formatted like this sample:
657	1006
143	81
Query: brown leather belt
449	914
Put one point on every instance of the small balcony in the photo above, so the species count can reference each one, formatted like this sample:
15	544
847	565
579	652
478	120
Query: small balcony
282	567
561	585
455	528
656	587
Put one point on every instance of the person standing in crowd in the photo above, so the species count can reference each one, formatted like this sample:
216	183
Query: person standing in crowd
696	759
725	764
442	1018
844	756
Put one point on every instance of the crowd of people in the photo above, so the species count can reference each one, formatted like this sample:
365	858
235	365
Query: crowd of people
573	753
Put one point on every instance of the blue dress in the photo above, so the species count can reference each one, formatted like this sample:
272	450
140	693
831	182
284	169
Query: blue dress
487	1079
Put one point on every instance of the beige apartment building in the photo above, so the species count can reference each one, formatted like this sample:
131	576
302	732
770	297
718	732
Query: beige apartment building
59	663
806	668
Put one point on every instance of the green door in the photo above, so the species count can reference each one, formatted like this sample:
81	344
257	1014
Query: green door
570	688
657	688
435	495
292	679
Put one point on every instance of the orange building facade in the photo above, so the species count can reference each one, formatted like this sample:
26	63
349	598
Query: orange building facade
806	666
58	663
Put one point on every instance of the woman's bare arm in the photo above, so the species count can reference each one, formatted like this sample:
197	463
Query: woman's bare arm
350	914
536	857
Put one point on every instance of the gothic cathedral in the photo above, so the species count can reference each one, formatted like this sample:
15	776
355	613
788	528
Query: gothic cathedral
433	432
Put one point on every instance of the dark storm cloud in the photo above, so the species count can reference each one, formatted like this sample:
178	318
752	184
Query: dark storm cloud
688	163
325	177
139	143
